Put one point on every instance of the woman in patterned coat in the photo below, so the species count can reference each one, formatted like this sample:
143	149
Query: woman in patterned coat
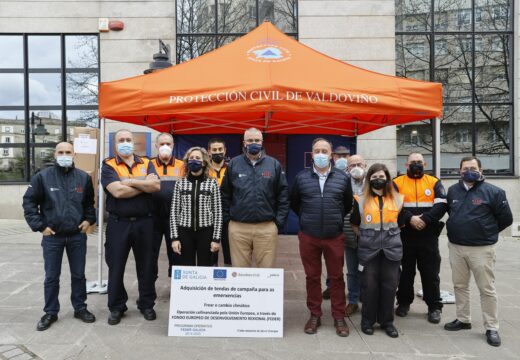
196	215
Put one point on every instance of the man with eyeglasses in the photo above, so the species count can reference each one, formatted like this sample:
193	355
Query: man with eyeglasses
255	201
424	206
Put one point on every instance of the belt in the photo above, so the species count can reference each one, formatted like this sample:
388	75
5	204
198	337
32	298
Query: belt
129	219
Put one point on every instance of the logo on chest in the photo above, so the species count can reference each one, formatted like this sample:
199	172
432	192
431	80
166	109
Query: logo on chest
368	218
266	173
477	202
79	189
427	192
142	170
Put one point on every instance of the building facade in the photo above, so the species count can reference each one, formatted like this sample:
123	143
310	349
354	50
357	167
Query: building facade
53	55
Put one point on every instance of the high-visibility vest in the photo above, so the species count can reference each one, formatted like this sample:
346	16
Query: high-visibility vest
219	176
417	193
171	171
370	212
139	169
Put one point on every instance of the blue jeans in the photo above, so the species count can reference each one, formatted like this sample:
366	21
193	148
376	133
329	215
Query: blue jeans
76	248
353	281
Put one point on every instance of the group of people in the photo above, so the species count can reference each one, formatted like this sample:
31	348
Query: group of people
384	228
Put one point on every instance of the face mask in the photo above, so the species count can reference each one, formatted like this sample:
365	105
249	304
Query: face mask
165	150
125	148
415	170
341	164
470	176
357	172
194	165
253	148
217	158
378	184
321	160
64	160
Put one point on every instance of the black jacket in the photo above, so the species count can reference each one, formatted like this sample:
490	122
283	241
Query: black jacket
321	215
253	194
477	215
61	199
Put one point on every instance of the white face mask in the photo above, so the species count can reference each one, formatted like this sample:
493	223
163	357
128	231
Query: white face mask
165	150
357	172
64	160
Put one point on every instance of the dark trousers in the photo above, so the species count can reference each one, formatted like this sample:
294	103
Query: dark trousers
428	261
121	236
379	280
195	247
76	248
311	250
224	245
161	228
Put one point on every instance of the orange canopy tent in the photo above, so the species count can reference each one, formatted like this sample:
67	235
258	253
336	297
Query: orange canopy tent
268	80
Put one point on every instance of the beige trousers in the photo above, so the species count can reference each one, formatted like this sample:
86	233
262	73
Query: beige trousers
259	239
479	261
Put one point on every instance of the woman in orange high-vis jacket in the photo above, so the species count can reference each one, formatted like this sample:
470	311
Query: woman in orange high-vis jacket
376	216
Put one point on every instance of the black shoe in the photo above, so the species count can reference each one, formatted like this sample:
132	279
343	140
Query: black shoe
46	322
457	325
367	329
493	338
115	317
85	316
402	310
326	294
434	316
391	331
149	314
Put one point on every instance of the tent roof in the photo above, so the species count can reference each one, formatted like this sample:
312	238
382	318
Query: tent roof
268	80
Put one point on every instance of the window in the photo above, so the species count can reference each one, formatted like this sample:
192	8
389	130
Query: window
48	57
204	25
474	64
5	152
464	17
7	140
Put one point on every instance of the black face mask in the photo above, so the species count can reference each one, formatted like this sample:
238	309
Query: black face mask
217	158
378	184
415	170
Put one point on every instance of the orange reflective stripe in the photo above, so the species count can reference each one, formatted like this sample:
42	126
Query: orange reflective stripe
371	215
219	176
176	170
417	192
138	170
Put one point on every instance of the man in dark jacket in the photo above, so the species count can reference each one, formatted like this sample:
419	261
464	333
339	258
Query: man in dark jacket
255	199
321	197
478	212
59	203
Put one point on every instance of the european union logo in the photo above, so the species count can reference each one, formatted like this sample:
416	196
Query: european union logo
219	273
177	274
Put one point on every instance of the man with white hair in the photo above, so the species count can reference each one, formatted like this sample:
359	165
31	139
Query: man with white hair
255	199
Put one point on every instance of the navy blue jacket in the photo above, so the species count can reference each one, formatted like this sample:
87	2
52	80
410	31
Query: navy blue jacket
61	199
477	215
321	215
253	194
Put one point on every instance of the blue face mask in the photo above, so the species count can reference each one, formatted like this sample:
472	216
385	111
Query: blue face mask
194	165
125	148
471	176
321	160
64	160
253	148
341	164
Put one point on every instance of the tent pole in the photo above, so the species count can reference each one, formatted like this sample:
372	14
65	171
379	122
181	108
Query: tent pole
437	147
100	285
